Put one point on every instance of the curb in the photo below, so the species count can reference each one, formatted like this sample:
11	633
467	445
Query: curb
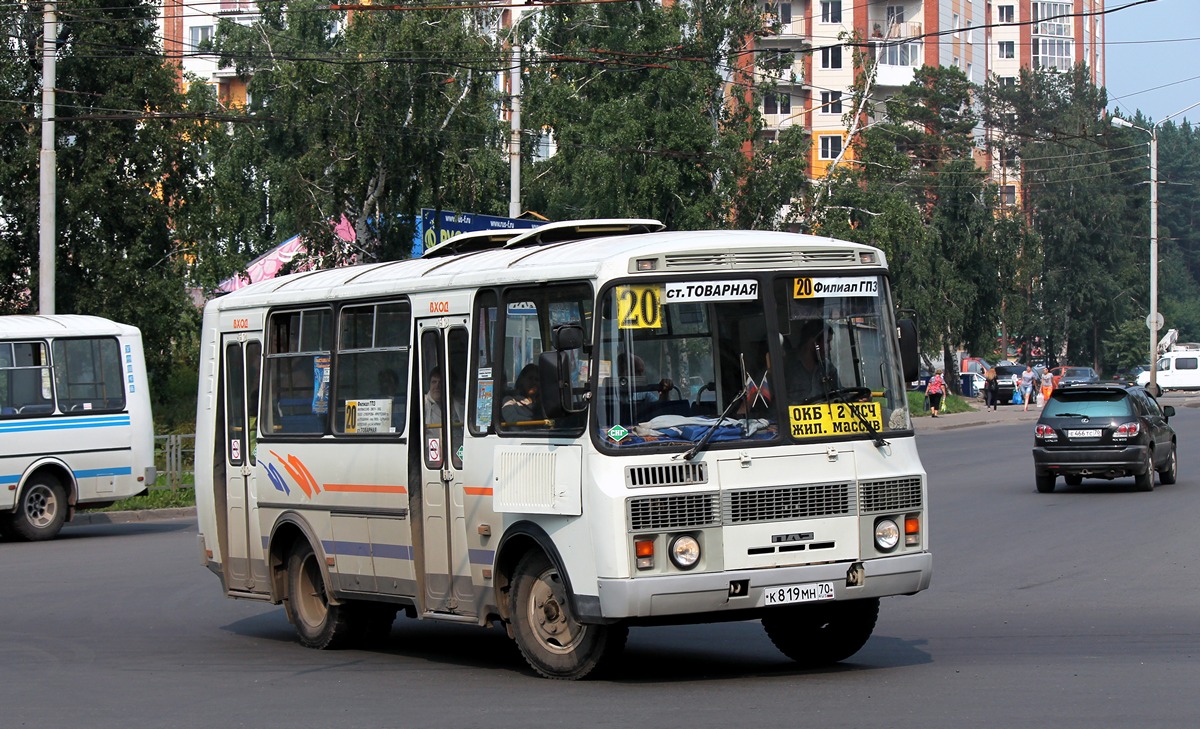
87	518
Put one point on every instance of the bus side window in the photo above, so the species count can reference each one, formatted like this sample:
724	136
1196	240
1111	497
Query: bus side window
88	375
297	378
372	367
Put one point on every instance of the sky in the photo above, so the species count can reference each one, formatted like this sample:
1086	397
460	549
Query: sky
1152	52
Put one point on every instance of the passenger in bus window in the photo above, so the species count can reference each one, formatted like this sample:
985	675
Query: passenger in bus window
631	364
521	407
809	371
433	402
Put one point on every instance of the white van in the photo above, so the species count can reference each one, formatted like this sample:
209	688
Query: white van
1177	370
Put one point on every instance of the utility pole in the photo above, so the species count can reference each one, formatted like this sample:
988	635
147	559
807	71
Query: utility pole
47	163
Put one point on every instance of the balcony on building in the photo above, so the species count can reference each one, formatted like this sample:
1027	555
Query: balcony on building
896	45
779	22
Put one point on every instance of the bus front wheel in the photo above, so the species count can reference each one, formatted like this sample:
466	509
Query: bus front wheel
41	511
553	641
318	623
824	633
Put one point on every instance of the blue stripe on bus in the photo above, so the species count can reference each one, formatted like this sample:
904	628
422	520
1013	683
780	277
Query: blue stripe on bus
481	556
390	551
93	472
87	473
64	424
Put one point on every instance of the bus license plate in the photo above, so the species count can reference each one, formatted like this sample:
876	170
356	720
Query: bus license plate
1089	433
787	594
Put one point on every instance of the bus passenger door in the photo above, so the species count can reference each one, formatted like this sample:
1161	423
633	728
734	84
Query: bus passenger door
442	553
242	355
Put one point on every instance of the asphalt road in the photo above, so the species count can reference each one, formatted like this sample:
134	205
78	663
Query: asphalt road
1079	608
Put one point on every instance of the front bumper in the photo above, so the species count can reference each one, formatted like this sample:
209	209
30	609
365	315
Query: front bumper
692	594
1118	461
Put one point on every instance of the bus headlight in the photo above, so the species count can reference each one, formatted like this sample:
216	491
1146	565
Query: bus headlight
685	551
887	535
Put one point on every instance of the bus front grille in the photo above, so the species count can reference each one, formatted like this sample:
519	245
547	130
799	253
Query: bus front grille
684	511
790	502
896	494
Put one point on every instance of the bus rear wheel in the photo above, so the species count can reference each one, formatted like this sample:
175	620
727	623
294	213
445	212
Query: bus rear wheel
553	641
822	634
41	511
319	624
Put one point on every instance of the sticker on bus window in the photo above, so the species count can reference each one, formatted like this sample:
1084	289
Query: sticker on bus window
639	307
368	416
683	292
828	287
434	450
828	419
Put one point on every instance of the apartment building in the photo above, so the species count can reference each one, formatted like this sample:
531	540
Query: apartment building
981	37
186	25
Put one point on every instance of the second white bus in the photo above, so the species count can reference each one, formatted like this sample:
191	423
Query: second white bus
568	431
75	420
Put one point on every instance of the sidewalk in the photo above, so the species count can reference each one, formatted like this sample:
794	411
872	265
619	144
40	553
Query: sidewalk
1017	414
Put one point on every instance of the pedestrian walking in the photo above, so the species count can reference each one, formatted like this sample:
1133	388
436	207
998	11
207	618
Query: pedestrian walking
1027	378
1047	387
936	389
991	389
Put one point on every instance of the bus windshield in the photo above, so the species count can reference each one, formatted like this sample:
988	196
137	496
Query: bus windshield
783	358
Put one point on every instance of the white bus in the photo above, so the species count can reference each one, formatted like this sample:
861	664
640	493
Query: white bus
617	449
75	420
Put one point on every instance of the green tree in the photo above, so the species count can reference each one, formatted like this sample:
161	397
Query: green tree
369	116
127	154
651	112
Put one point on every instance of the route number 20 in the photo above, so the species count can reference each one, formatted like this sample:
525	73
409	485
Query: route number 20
639	307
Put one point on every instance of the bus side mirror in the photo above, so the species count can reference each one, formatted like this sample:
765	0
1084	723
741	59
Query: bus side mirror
909	349
556	371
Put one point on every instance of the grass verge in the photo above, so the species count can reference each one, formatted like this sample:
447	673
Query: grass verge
951	404
156	499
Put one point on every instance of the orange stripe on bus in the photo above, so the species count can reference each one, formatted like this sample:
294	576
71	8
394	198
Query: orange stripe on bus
365	488
477	490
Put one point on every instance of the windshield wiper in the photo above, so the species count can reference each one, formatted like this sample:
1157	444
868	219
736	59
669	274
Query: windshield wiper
691	452
842	396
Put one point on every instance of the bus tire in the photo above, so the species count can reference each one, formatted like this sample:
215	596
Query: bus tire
822	634
41	511
318	623
554	643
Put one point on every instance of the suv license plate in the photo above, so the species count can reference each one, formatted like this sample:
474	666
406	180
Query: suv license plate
1089	433
787	594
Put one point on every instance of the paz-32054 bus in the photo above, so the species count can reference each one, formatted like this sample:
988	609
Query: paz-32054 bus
568	431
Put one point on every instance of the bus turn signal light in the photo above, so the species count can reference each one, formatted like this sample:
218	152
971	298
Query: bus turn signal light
644	549
912	531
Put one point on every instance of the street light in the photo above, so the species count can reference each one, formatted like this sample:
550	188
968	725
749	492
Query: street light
1152	321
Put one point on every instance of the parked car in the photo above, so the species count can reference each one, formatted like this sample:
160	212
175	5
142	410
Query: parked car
922	380
1074	375
1007	377
1104	431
